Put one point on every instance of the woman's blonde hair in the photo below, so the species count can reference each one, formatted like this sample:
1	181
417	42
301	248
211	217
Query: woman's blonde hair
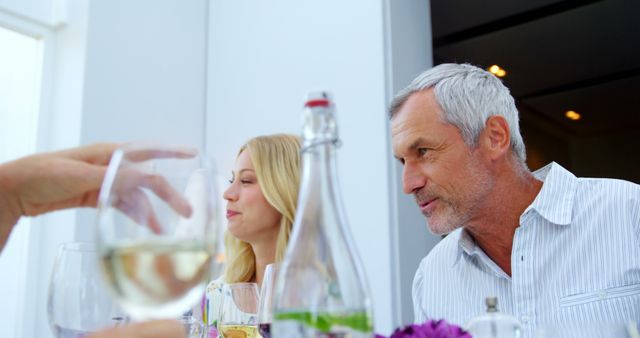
276	159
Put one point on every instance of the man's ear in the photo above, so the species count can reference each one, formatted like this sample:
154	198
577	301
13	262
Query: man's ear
496	137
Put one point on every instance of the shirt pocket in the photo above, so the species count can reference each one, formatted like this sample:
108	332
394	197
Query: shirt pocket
600	295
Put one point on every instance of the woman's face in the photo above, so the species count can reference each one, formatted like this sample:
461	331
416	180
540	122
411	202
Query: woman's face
251	217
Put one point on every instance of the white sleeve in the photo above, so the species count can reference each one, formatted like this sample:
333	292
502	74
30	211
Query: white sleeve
419	315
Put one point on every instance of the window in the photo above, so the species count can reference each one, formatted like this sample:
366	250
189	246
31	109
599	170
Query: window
20	77
20	73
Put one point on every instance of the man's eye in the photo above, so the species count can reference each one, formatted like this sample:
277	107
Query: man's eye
422	151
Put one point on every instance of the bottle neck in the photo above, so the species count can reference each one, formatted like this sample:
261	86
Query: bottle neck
319	191
319	167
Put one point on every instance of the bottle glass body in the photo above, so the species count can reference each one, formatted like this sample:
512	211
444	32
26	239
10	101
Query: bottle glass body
321	289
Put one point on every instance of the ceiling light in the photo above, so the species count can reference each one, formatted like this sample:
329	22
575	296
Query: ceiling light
572	115
497	71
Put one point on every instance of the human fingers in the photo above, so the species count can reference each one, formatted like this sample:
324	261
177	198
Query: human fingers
137	206
139	155
97	153
166	192
100	153
132	178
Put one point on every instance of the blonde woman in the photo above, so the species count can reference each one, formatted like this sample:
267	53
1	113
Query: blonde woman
261	203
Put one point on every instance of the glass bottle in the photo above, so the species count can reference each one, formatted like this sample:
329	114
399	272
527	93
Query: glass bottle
321	289
494	324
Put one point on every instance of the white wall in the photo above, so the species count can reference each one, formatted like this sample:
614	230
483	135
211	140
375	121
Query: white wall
51	13
145	75
264	56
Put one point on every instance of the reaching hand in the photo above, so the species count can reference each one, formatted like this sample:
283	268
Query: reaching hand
72	178
51	181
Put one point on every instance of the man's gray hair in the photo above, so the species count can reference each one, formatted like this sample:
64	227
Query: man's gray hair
468	96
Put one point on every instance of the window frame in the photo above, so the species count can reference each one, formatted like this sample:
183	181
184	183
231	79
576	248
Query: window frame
29	291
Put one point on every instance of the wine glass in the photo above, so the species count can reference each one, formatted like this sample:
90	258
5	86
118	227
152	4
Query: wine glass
79	303
157	228
239	311
193	327
265	307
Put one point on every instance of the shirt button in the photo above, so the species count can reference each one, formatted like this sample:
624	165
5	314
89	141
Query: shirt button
525	319
602	295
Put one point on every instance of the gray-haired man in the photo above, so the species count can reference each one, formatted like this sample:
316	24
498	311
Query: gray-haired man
554	249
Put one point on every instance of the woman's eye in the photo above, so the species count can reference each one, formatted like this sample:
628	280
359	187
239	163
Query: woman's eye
245	181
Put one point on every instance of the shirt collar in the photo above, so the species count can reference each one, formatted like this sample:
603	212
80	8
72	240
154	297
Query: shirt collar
554	203
466	244
555	200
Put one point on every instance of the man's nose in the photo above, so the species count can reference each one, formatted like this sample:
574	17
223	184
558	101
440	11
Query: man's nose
412	179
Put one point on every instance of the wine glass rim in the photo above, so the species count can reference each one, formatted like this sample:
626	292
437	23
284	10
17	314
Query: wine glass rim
241	284
79	246
118	159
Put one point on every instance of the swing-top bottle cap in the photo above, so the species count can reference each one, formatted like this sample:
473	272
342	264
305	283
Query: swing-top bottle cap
318	120
318	99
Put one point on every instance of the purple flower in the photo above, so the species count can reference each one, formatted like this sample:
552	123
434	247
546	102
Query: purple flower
430	329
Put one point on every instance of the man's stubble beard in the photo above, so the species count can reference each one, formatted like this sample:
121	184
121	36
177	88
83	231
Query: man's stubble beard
459	211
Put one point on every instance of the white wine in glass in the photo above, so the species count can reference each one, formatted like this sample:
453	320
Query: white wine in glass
157	228
239	311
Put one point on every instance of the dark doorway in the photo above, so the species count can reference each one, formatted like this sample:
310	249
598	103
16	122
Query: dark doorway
559	56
